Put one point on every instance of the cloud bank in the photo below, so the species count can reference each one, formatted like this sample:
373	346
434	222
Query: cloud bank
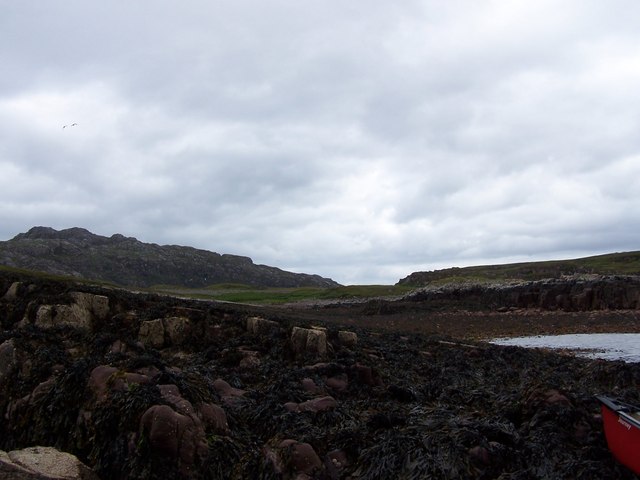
357	140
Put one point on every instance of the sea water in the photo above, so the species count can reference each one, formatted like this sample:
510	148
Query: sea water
608	346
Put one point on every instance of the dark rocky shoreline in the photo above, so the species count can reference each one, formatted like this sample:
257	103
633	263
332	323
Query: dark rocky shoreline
143	386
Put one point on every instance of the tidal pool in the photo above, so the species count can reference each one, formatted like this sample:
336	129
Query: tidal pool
608	346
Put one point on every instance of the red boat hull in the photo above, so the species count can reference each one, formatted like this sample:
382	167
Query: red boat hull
622	431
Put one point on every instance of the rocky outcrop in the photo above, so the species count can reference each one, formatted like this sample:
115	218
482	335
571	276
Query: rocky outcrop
569	294
261	326
12	291
162	332
347	339
309	341
627	263
85	310
43	463
127	261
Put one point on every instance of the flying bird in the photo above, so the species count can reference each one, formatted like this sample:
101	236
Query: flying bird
72	125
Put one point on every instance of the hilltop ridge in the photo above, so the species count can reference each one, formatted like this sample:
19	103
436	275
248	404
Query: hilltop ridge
624	263
129	262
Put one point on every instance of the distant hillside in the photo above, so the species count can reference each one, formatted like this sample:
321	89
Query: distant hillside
627	263
129	262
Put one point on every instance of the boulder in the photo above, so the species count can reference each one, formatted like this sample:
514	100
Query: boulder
105	379
177	329
335	462
260	326
348	339
213	418
151	333
163	332
49	316
97	305
302	458
179	436
81	314
309	341
12	292
229	394
43	463
310	386
338	383
8	359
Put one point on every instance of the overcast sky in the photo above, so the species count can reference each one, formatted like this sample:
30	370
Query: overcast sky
359	140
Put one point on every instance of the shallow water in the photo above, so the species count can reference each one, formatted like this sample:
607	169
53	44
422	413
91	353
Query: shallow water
608	346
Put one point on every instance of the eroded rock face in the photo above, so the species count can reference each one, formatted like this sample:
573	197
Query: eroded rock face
43	463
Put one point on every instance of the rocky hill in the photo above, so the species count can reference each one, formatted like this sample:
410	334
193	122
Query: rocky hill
626	263
127	261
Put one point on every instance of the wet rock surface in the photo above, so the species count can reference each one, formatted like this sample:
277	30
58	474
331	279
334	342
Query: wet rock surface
224	397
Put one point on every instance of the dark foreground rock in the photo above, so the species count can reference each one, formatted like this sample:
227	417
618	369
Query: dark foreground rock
141	386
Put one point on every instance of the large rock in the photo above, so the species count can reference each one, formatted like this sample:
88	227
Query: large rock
12	292
43	463
105	379
97	305
260	326
179	436
152	333
163	332
85	309
309	341
49	316
177	329
348	339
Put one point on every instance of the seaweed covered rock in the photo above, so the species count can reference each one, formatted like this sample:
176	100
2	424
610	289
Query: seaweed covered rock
179	435
215	395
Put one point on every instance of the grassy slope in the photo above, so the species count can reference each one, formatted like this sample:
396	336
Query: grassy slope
627	263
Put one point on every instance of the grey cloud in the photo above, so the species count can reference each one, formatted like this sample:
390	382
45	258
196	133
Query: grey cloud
358	141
